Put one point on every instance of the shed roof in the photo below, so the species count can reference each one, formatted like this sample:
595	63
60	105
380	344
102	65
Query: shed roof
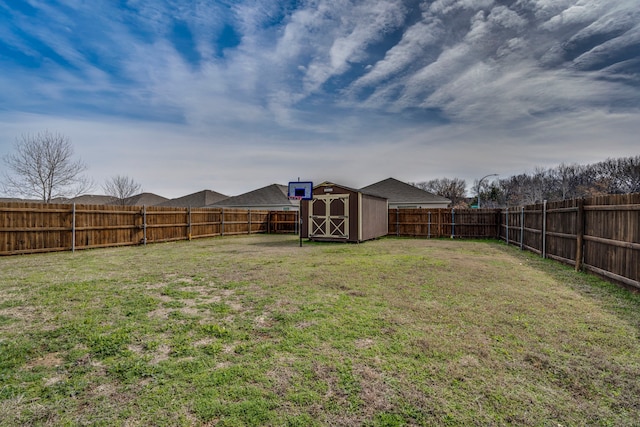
271	195
355	190
196	200
400	192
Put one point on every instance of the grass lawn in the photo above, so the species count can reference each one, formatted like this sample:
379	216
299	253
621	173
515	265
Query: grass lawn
239	331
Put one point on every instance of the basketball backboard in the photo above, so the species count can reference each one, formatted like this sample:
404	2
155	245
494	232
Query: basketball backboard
301	189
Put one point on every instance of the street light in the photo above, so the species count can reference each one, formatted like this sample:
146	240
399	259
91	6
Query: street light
480	182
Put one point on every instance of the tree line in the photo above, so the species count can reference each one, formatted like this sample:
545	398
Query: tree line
562	182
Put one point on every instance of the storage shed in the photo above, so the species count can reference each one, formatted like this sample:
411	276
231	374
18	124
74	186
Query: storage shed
342	214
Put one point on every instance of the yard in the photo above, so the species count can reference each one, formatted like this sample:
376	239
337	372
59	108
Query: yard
255	330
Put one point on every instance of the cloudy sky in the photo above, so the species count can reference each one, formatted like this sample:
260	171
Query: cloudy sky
233	95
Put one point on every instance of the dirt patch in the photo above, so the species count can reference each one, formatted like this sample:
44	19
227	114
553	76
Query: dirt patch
364	343
161	354
262	322
50	360
160	313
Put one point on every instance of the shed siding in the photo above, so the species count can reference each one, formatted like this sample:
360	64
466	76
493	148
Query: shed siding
375	217
368	215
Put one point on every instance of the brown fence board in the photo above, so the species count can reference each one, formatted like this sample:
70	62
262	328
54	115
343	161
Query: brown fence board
427	223
600	234
613	218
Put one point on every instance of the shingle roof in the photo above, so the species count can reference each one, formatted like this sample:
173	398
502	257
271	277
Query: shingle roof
12	200
271	195
142	199
92	199
196	200
399	192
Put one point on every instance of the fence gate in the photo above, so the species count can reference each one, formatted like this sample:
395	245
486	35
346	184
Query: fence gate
329	216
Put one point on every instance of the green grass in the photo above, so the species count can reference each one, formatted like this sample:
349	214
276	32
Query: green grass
247	331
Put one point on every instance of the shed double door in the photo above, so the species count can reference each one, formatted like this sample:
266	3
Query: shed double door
329	216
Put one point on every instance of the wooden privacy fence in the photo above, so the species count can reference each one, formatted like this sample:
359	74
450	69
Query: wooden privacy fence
600	234
36	227
454	223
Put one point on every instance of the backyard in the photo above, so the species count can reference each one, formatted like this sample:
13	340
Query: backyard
254	330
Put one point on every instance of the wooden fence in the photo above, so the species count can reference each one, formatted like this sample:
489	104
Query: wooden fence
454	223
34	227
600	234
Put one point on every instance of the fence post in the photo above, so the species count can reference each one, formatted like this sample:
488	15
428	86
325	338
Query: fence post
544	229
144	225
506	215
453	223
580	235
397	222
73	229
522	228
429	227
249	214
222	222
189	223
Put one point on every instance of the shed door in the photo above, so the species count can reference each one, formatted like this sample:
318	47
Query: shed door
329	216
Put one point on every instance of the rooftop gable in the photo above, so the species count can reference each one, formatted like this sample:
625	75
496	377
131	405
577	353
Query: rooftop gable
142	199
274	194
400	192
196	200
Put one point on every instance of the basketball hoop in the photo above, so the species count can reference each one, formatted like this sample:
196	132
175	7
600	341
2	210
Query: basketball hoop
295	197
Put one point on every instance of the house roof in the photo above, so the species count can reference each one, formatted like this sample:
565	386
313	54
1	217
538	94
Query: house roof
92	199
196	200
142	199
12	200
271	195
400	192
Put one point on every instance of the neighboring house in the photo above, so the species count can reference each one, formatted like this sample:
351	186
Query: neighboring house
273	197
142	199
15	200
57	200
196	200
90	199
403	195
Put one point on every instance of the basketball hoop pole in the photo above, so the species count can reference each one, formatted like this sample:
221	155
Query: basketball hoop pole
300	221
300	191
299	215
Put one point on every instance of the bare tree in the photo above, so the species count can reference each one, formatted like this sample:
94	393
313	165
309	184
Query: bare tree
453	189
43	167
121	187
622	174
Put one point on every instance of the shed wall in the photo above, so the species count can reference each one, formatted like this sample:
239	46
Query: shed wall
374	218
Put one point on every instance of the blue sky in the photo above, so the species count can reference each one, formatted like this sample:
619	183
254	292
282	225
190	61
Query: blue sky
234	95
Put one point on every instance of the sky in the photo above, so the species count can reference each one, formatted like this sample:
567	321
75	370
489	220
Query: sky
234	95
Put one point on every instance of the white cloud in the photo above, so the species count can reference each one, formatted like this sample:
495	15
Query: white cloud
309	89
416	40
447	6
